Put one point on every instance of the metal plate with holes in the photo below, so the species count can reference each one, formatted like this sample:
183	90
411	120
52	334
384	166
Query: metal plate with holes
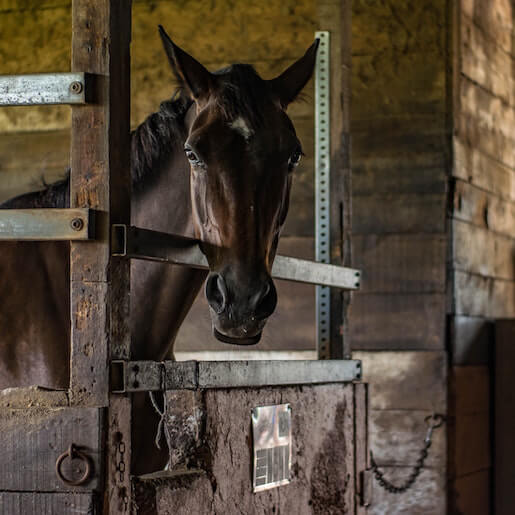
271	431
322	187
42	89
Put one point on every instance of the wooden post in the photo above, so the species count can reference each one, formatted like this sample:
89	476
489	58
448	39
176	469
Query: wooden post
100	180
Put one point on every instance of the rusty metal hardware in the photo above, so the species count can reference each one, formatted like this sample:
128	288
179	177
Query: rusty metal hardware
433	422
77	224
73	452
76	87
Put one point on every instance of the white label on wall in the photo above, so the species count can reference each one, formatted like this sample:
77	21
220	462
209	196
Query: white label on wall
271	430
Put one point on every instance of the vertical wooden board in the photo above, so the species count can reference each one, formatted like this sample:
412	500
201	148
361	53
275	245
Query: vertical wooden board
361	453
39	503
504	422
470	495
471	340
33	439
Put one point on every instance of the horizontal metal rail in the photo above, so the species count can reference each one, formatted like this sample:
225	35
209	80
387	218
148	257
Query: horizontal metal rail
136	243
137	376
42	89
46	224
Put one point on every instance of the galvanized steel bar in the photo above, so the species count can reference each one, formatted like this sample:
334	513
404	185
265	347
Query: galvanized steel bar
135	243
42	89
138	376
46	224
322	188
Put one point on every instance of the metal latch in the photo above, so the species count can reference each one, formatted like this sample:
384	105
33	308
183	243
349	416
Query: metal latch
366	482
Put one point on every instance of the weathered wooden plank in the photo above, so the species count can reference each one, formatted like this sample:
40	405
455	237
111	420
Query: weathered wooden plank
475	133
483	209
398	321
482	170
487	109
476	295
492	254
397	436
46	224
101	179
33	439
398	213
32	397
405	263
504	453
495	18
415	174
471	494
471	340
44	503
485	62
403	380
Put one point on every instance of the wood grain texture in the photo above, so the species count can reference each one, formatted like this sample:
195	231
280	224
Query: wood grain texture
361	432
398	321
43	503
482	252
33	439
483	209
402	380
406	263
470	494
399	213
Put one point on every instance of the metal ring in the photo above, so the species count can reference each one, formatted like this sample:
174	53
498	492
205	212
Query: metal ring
73	452
435	420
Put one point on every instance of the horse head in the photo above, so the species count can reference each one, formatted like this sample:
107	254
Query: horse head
242	151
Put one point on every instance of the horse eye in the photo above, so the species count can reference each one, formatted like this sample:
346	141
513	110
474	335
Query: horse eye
191	156
295	158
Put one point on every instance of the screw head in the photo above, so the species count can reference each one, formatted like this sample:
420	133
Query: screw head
76	87
77	224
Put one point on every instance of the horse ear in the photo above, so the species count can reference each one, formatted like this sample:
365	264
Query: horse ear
186	68
290	83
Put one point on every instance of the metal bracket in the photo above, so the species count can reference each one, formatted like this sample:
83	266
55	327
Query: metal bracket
139	376
136	243
46	224
322	188
43	89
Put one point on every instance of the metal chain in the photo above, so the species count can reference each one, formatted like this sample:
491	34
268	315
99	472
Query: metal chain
433	421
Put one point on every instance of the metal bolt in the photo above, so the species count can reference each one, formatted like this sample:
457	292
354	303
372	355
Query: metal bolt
77	224
76	87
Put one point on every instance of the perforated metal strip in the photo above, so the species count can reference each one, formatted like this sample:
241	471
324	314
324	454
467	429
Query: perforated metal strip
322	187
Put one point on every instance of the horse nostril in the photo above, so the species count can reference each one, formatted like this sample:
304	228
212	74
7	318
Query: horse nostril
216	293
266	301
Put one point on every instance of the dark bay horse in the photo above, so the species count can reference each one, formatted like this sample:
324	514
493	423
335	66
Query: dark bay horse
214	163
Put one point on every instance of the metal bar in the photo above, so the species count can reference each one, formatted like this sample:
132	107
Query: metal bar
42	89
323	188
135	243
46	224
172	375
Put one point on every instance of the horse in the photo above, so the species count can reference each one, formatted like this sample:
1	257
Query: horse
215	163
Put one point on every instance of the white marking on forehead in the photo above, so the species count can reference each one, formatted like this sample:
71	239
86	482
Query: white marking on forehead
240	125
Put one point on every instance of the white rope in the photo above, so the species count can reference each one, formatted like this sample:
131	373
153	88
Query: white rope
162	427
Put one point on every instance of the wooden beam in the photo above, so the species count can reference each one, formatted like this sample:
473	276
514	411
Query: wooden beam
100	179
